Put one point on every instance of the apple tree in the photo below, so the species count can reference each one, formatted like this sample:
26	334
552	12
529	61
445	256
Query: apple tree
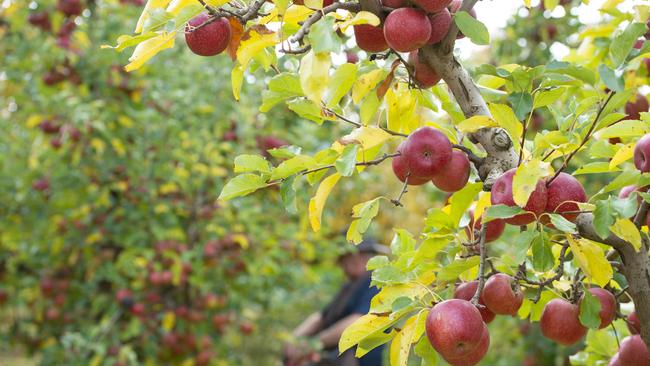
573	255
113	248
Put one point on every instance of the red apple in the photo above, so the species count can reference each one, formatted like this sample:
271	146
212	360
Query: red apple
494	228
427	152
370	38
560	322
466	290
633	352
562	194
407	29
40	19
401	169
432	6
502	195
70	7
607	306
502	294
425	76
634	108
455	174
455	329
208	40
440	23
394	3
642	154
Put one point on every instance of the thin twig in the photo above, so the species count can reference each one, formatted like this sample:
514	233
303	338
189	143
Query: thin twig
481	266
584	140
305	27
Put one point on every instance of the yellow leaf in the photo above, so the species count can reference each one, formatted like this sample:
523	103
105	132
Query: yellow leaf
161	208
237	79
383	301
410	333
592	260
626	230
149	48
98	145
367	137
125	121
365	83
482	203
254	44
33	120
526	178
167	188
314	74
507	119
146	12
168	321
317	203
118	146
362	328
400	105
475	123
527	3
362	17
625	153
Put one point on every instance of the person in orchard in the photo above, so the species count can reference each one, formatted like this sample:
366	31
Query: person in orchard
317	337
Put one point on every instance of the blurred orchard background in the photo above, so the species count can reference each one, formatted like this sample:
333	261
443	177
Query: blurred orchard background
113	247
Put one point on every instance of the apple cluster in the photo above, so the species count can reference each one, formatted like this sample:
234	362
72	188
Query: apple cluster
408	28
427	155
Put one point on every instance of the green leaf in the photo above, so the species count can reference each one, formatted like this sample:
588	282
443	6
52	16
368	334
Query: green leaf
589	309
307	109
242	185
501	212
578	72
563	224
522	104
543	258
625	207
285	152
281	87
346	162
452	271
603	218
288	194
611	78
251	163
472	28
624	42
322	36
548	96
373	341
402	242
424	349
292	166
363	213
341	83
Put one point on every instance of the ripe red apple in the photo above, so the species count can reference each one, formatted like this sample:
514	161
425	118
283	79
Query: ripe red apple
502	294
560	322
455	174
615	361
56	143
407	29
440	23
370	38
494	228
138	309
607	306
265	143
70	7
53	77
432	6
502	195
634	108
425	76
633	352
475	356
209	40
49	126
394	3
562	194
456	330
427	152
633	323
401	169
642	154
246	328
203	358
41	184
466	290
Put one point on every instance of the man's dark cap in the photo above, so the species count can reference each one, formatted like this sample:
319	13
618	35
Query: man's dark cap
368	245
